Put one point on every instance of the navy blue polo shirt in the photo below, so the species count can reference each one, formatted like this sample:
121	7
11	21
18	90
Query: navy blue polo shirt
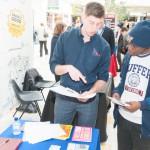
91	58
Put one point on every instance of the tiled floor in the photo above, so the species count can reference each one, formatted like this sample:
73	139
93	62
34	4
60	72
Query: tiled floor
111	143
41	64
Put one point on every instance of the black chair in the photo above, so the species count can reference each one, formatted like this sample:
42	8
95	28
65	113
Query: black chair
34	81
42	84
27	97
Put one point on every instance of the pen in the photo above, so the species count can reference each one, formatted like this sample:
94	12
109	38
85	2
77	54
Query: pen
4	142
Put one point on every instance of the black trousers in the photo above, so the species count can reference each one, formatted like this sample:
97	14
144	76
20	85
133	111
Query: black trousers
129	136
119	59
45	48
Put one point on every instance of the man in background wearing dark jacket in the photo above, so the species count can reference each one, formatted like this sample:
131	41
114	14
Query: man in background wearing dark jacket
108	34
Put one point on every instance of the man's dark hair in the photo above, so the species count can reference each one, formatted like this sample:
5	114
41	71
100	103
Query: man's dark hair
94	9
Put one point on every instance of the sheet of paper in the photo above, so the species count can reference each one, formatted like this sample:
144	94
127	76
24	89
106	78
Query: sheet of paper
69	92
35	132
54	147
117	102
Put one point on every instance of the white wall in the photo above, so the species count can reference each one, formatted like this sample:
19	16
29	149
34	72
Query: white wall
16	47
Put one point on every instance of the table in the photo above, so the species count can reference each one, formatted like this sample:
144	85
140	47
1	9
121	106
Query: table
101	123
94	145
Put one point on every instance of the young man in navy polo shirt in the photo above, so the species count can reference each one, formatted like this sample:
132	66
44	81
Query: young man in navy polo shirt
81	57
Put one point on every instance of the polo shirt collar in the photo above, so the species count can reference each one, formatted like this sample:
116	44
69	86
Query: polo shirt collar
80	34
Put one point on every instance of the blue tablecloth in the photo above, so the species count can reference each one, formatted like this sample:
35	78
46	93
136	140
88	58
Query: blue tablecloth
94	145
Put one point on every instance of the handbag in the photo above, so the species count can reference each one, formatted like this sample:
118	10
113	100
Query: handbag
45	34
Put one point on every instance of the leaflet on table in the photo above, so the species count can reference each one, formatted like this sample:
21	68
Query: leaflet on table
67	129
69	92
118	102
55	147
83	134
75	146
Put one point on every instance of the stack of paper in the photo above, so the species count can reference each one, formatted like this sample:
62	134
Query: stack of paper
35	132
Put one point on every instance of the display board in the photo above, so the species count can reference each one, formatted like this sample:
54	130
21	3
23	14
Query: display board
16	47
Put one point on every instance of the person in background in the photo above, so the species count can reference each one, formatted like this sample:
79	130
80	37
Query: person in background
69	27
118	30
59	28
108	34
124	32
82	58
74	21
120	45
133	121
126	24
43	40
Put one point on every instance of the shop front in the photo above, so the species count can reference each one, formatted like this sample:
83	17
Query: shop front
76	15
58	13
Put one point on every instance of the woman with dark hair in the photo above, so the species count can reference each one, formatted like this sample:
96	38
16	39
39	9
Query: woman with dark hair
59	28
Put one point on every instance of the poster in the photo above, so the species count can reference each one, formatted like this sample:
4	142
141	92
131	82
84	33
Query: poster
16	46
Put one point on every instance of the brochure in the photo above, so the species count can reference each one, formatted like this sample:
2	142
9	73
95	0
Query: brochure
75	146
118	102
67	129
69	92
83	134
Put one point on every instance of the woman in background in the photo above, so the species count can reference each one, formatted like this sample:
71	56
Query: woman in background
59	28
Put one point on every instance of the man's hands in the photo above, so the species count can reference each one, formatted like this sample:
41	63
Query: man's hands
134	105
116	96
84	94
75	74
